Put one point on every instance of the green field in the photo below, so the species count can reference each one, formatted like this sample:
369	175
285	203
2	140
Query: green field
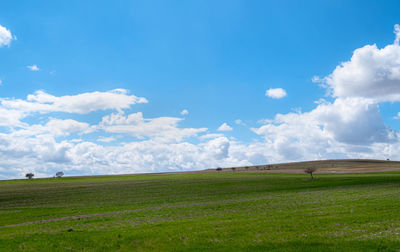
205	211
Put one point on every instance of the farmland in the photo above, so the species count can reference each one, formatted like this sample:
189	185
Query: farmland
221	211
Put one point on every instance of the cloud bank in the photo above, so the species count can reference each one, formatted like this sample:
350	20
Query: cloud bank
43	133
351	126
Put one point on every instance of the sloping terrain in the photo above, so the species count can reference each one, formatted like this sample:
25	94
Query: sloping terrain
216	211
325	166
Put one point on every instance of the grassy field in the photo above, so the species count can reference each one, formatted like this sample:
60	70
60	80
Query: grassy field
216	211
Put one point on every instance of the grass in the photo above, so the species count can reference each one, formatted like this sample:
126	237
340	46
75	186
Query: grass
210	211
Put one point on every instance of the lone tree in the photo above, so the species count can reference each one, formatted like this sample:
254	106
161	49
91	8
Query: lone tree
59	174
310	170
29	175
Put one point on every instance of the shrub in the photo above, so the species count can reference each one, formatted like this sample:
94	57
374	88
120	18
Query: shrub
59	174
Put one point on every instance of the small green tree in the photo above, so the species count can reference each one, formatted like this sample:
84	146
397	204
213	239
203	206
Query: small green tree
29	175
59	174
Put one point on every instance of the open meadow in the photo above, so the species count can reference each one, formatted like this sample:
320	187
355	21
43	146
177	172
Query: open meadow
221	211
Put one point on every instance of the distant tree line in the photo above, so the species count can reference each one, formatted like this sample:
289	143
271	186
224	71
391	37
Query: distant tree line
30	175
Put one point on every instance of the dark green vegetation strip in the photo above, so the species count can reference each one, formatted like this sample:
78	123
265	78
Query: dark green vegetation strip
214	211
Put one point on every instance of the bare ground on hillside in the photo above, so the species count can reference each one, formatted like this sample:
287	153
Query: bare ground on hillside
335	166
322	166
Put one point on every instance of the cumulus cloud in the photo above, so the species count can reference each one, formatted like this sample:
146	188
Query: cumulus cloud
153	156
184	112
51	145
64	127
44	155
33	68
218	148
161	128
225	127
327	130
371	73
42	102
5	36
275	93
354	121
211	136
349	125
11	117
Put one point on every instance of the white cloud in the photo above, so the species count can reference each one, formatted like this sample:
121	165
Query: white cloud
371	73
33	68
5	36
54	127
151	156
211	136
218	148
240	122
316	79
106	139
225	127
184	112
354	121
11	117
60	127
349	126
397	34
327	130
275	93
161	128
84	103
45	156
51	144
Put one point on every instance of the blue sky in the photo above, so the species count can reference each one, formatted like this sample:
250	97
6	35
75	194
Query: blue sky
61	61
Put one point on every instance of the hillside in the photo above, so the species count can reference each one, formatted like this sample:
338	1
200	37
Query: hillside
325	166
215	211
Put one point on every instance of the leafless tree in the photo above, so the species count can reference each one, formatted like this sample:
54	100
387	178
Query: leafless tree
310	170
29	175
